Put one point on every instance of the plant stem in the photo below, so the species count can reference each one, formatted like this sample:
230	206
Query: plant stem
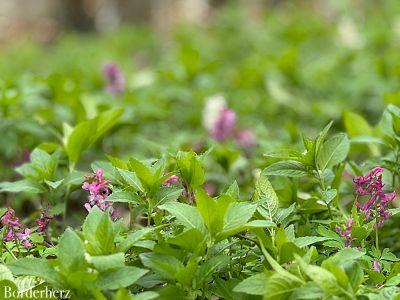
376	228
323	187
149	215
9	251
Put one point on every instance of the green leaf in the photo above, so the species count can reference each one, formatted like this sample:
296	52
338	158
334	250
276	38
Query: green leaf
333	151
71	252
212	210
279	287
233	190
266	198
119	278
185	214
107	262
319	141
210	268
309	240
142	172
99	232
323	278
36	267
253	285
164	265
289	168
86	133
121	196
355	124
191	240
236	218
20	186
131	179
346	255
283	213
5	273
190	168
149	295
134	237
310	290
277	267
328	195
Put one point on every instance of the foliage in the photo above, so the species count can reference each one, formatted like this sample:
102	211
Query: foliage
118	192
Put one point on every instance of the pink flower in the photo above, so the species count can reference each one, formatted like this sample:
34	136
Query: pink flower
98	189
376	265
14	228
10	220
376	205
224	125
24	238
115	79
171	180
246	138
346	233
44	220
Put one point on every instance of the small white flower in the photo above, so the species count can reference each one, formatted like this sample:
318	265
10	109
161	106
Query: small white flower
212	109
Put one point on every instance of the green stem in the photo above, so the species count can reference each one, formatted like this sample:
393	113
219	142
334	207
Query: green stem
376	228
67	194
9	251
149	215
323	187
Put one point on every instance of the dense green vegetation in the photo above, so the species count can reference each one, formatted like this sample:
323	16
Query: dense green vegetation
249	158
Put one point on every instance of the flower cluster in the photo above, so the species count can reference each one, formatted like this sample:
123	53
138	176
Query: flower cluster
171	180
98	189
224	125
44	220
14	228
220	121
377	205
376	265
246	138
115	79
346	232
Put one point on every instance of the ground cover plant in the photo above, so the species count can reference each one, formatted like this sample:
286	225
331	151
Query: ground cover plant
249	169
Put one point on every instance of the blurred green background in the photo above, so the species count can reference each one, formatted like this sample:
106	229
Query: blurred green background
282	66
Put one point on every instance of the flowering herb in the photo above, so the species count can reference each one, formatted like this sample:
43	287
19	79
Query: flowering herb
98	189
224	125
376	265
14	229
23	237
171	180
115	79
44	220
346	232
246	138
376	205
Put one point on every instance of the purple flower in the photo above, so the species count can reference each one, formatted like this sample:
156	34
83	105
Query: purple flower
98	189
377	203
224	125
14	228
44	220
115	79
10	220
346	233
24	237
246	138
376	265
171	180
